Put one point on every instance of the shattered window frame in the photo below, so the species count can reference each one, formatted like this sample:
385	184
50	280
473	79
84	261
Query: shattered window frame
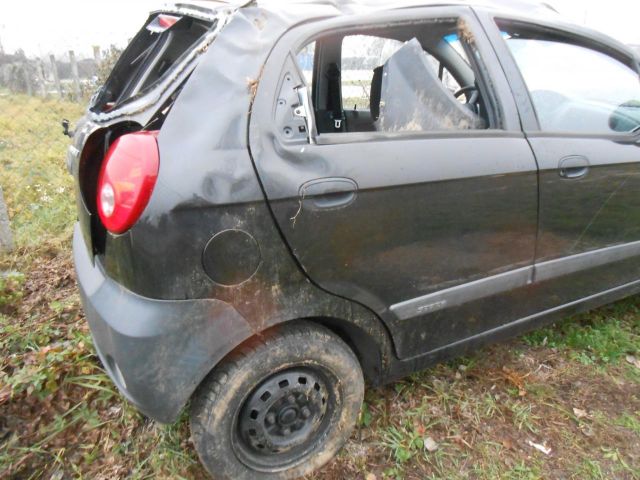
466	49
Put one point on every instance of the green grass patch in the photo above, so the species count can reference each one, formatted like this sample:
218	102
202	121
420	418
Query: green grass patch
630	421
10	289
602	336
37	187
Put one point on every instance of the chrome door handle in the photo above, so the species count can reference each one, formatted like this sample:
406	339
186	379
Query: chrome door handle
573	167
328	193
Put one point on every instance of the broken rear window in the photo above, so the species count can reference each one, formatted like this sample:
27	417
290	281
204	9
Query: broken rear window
163	42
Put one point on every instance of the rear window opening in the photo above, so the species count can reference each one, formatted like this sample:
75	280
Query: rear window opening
162	43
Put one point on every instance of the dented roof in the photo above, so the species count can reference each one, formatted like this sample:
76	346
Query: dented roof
315	8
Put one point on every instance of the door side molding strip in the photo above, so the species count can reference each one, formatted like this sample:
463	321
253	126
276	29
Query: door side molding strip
521	277
460	294
592	301
583	261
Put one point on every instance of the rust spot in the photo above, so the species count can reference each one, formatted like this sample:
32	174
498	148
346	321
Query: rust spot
260	22
252	85
465	33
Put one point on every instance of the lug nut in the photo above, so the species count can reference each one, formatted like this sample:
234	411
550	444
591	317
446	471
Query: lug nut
306	413
291	399
286	431
271	418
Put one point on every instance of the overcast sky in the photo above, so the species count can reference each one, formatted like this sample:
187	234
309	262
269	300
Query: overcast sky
60	25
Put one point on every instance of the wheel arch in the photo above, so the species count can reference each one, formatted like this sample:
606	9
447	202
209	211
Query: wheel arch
371	346
368	347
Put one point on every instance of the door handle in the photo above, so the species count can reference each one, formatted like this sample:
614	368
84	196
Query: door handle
574	166
328	193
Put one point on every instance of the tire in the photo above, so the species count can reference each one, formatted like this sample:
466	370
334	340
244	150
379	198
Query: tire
279	408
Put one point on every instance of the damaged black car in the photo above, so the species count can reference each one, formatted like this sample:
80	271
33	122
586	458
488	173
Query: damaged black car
278	203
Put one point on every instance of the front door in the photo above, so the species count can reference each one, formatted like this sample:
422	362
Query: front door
585	134
415	193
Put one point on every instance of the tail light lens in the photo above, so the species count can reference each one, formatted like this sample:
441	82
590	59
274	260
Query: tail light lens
126	180
162	22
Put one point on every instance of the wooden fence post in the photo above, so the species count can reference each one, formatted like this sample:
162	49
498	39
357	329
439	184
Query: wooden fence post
6	239
43	78
56	77
27	78
76	77
97	56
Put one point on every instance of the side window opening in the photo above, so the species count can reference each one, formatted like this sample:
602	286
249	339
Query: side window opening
407	78
574	87
361	55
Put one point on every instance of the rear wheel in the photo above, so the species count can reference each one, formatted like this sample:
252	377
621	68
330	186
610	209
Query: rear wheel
280	408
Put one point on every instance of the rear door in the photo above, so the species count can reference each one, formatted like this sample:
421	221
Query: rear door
425	208
580	100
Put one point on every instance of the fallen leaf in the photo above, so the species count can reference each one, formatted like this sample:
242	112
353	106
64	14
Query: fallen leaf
430	444
508	444
515	379
371	476
633	361
5	394
542	448
419	428
45	350
579	413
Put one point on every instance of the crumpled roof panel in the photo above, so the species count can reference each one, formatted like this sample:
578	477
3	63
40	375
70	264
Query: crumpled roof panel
308	9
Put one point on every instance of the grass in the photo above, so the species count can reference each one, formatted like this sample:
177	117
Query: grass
572	388
603	336
33	173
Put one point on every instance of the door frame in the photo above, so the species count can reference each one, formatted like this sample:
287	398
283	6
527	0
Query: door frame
550	269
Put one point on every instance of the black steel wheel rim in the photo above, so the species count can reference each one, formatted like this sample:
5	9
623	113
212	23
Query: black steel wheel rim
284	419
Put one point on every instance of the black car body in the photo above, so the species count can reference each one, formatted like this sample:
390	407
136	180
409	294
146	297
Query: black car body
413	228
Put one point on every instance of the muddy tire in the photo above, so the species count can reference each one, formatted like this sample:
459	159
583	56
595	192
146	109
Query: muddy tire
279	408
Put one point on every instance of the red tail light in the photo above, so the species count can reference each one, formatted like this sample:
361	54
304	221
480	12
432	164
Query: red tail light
127	178
167	21
162	23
